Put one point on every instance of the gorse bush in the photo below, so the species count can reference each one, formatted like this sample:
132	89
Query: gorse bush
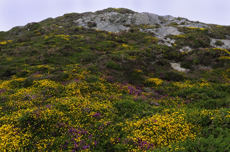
91	113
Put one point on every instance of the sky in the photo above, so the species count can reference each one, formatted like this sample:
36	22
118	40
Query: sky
20	12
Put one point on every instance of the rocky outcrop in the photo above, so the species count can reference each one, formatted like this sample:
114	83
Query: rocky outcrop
225	43
185	49
164	31
177	67
116	22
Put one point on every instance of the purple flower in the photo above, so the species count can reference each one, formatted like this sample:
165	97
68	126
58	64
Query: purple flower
97	115
86	147
110	79
48	106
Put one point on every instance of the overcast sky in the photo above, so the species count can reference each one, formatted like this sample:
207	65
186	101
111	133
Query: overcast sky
20	12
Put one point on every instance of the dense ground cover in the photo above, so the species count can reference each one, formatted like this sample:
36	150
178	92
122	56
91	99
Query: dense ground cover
70	89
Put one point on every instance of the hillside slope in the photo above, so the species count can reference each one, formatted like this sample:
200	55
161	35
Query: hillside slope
115	80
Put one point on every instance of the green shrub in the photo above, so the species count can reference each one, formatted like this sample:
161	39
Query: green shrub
29	81
91	24
211	143
113	65
219	43
172	76
201	94
213	104
92	79
129	108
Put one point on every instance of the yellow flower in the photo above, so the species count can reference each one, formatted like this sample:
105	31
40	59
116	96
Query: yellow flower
154	81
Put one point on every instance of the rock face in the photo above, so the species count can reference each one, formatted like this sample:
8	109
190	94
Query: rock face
164	31
185	49
177	67
116	22
226	43
112	22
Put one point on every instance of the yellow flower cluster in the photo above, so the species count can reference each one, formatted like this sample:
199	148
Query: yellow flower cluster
151	39
133	57
10	139
66	37
161	130
224	58
180	36
138	71
202	29
183	85
5	42
50	108
154	81
124	45
189	84
222	50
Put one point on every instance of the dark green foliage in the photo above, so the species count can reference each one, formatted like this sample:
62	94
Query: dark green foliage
130	108
218	32
211	143
28	81
203	94
172	76
59	76
22	73
92	24
214	103
195	40
92	79
7	71
219	43
113	65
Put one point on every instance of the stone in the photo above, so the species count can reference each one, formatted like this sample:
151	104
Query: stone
227	37
141	18
165	31
225	46
154	103
185	49
116	22
177	67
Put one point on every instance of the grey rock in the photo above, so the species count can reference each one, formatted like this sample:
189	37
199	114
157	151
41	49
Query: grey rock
168	42
154	103
204	68
141	18
185	49
198	25
165	31
168	17
225	46
227	37
116	22
177	67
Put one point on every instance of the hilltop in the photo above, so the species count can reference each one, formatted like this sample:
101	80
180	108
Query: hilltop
115	80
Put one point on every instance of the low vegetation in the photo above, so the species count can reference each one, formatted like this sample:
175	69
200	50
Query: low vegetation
74	89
